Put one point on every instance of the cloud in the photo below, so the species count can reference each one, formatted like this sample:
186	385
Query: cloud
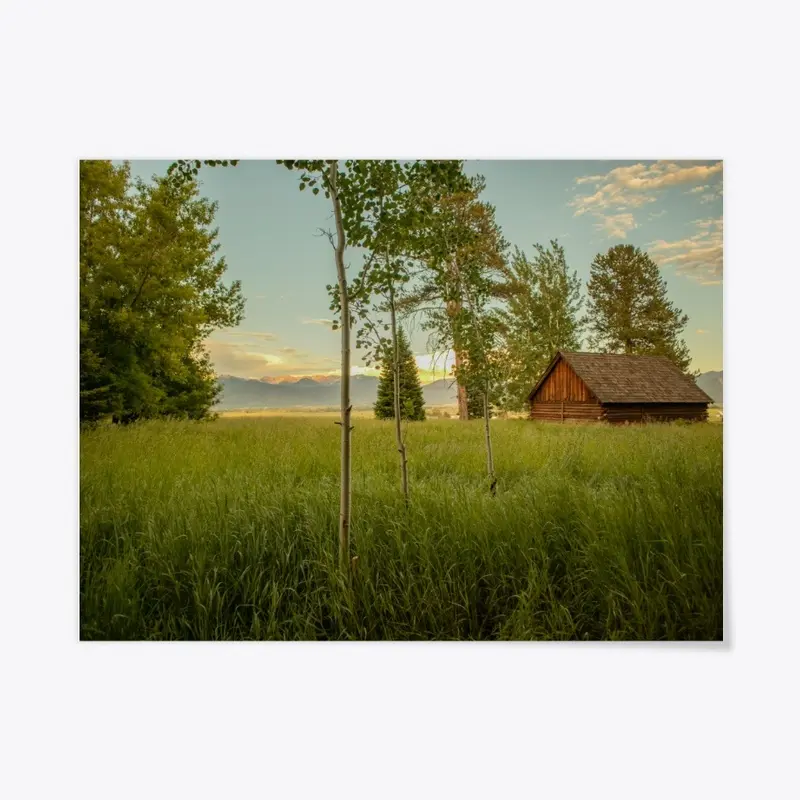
247	360
327	323
656	214
633	186
616	225
267	337
698	257
232	358
434	366
701	330
697	189
713	195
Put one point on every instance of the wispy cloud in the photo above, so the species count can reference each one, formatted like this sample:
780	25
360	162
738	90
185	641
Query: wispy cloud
616	225
713	195
248	360
701	330
656	214
233	358
622	190
697	189
698	257
327	323
634	186
262	335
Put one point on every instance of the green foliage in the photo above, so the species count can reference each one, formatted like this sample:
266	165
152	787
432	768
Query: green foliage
462	257
412	402
629	310
228	531
541	317
188	169
150	292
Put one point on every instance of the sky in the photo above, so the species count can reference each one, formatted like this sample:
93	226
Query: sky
269	235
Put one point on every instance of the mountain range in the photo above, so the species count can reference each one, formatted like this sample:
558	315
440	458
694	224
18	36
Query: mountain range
711	384
322	391
315	392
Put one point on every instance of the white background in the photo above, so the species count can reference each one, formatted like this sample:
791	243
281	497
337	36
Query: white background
425	79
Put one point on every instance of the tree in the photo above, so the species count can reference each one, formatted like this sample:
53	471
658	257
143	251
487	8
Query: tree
462	252
151	292
541	317
412	403
364	198
397	214
462	275
628	308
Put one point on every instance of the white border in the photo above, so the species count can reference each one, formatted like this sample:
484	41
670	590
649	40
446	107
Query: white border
609	80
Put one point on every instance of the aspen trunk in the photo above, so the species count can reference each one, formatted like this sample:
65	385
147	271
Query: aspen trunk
463	409
453	307
346	408
398	432
488	435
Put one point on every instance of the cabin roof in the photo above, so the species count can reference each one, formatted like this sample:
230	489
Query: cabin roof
621	378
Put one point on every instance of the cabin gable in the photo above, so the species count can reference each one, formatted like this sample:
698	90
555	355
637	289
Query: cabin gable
562	384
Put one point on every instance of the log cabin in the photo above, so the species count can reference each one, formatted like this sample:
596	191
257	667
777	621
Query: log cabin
616	388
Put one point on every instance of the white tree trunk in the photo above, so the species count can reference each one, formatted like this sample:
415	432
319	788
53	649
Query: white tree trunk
346	408
488	435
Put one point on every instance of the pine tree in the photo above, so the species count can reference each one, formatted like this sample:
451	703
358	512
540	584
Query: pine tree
629	311
411	400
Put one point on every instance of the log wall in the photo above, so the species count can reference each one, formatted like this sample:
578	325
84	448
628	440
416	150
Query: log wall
654	412
618	413
570	411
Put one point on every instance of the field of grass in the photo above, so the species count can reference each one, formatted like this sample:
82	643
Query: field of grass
227	530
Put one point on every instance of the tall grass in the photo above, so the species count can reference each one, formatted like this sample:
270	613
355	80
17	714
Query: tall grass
227	530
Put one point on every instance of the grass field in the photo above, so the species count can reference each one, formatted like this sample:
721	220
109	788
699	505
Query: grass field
227	530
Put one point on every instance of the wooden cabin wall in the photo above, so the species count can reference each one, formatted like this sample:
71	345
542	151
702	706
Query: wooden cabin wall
565	411
654	412
563	384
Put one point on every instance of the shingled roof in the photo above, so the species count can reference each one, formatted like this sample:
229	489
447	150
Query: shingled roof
620	378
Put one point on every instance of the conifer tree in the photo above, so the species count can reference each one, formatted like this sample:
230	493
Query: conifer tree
412	402
628	310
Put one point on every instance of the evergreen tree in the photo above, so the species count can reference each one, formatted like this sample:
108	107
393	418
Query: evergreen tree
411	400
541	317
629	311
150	294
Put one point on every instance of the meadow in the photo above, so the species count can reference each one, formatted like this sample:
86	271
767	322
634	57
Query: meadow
227	530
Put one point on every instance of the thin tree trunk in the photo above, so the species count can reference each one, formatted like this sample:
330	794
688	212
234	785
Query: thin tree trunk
463	408
346	408
488	434
398	432
453	307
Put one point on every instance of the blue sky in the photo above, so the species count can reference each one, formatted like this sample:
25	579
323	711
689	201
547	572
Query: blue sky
268	233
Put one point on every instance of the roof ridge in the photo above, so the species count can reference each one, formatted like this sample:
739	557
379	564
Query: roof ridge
628	355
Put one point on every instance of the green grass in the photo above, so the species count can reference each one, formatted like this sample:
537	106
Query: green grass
228	530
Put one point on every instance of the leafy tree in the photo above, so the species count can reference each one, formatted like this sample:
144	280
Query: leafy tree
462	255
365	197
397	217
150	292
628	308
463	275
412	403
541	317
